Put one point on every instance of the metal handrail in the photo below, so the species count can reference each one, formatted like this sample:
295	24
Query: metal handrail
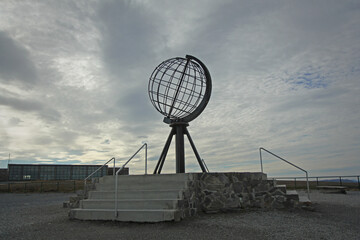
117	173
319	177
307	176
98	170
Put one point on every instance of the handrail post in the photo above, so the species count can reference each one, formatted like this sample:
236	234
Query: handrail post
261	163
118	171
116	198
84	186
307	183
114	168
145	158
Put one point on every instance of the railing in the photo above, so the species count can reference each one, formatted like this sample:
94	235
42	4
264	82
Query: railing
333	178
85	180
117	173
307	176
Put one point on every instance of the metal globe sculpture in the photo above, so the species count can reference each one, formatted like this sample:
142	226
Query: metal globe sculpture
180	88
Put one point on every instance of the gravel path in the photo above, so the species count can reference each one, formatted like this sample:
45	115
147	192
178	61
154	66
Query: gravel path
41	216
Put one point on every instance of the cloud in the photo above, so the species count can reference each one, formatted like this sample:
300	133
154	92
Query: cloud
285	77
15	62
129	36
14	121
30	106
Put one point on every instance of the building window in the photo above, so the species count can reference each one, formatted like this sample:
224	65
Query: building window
63	172
30	172
15	173
26	177
47	172
79	172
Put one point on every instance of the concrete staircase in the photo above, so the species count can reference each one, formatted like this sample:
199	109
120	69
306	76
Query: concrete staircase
141	198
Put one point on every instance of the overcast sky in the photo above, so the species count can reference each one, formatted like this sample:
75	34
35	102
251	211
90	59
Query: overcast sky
74	78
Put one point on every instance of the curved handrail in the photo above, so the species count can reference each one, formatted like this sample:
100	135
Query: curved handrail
307	177
117	173
98	170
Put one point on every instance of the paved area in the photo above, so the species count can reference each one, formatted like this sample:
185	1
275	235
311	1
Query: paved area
41	216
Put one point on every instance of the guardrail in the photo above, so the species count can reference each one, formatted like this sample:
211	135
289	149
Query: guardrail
117	173
340	179
307	176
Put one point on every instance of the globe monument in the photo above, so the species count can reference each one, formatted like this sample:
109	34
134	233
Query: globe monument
179	88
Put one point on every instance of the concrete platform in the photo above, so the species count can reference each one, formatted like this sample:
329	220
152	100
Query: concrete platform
172	197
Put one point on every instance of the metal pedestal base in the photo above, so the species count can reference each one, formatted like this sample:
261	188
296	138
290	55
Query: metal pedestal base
179	129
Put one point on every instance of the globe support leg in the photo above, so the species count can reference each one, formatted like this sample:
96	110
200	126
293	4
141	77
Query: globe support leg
180	148
161	161
178	129
195	151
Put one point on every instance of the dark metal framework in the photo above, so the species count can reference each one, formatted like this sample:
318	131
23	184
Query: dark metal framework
180	89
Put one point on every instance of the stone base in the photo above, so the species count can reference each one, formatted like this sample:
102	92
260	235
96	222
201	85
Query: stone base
215	192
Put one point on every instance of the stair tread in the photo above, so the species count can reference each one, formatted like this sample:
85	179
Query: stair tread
139	190
134	200
304	199
291	192
123	210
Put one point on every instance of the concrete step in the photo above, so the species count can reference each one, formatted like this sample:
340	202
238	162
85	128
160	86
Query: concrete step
139	185
130	204
304	199
138	194
153	178
292	194
138	215
281	187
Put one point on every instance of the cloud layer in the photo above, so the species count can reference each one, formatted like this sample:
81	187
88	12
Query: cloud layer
74	75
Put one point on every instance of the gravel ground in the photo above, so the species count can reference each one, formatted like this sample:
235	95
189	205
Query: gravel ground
41	216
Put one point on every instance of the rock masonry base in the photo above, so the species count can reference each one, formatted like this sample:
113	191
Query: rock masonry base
219	192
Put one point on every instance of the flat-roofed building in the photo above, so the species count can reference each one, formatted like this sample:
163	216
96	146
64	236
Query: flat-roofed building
21	172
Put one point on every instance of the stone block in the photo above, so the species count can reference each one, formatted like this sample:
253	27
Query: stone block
238	187
262	187
214	187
